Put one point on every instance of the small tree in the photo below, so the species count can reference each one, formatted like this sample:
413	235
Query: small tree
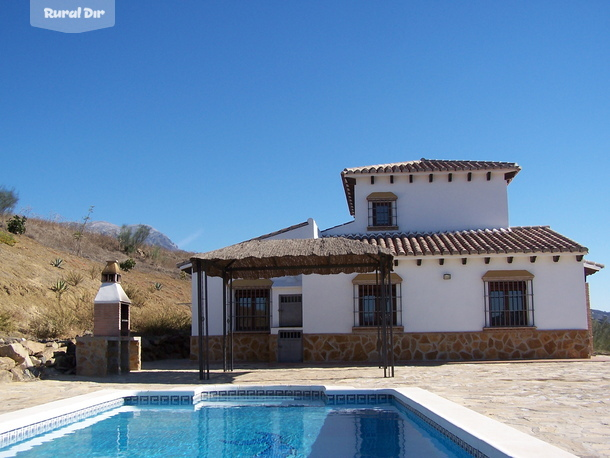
78	235
131	239
8	200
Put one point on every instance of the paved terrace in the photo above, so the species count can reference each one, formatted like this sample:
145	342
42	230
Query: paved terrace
566	403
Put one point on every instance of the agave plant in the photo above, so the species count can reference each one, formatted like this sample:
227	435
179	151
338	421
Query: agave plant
59	287
57	262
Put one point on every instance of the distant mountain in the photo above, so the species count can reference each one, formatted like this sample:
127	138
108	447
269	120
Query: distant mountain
600	315
155	238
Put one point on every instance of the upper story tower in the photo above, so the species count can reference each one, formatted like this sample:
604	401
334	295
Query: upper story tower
427	196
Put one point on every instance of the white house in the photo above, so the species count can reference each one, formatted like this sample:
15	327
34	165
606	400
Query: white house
465	285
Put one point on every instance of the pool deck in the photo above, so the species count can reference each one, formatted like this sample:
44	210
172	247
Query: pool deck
565	403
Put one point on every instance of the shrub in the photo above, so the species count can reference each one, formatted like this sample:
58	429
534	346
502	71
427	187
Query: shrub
6	321
7	239
67	318
54	321
601	336
131	239
95	272
74	278
161	321
127	265
57	262
137	297
16	225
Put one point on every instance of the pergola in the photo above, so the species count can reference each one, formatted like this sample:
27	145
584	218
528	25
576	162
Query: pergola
265	259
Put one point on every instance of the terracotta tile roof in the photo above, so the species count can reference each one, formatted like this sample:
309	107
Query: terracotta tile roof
526	239
432	165
422	166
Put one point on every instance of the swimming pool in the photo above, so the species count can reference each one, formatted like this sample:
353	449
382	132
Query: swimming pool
261	421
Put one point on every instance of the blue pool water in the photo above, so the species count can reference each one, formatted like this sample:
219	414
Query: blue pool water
244	429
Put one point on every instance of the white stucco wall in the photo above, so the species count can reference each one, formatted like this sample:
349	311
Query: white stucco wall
559	293
307	231
214	305
438	206
431	304
328	304
282	286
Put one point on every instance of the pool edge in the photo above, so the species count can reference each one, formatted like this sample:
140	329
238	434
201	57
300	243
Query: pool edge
492	438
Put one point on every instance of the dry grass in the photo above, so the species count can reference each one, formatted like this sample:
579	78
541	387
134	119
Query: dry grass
101	248
29	307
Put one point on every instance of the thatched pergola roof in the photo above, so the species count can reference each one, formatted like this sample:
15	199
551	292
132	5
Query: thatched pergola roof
256	259
277	258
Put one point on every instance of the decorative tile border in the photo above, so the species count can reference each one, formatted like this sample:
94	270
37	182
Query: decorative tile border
16	435
159	400
446	436
258	393
358	398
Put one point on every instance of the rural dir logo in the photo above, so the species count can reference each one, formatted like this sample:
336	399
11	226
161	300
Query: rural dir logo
72	16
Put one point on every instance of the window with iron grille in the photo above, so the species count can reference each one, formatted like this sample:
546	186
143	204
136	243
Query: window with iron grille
382	211
368	309
509	303
291	310
382	214
252	308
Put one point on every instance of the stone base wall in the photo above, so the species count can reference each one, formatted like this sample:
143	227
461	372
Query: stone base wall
101	356
135	354
361	346
492	344
247	347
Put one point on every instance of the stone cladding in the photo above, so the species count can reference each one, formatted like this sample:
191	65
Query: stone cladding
361	346
100	356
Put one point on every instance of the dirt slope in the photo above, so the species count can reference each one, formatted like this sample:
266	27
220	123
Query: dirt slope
28	303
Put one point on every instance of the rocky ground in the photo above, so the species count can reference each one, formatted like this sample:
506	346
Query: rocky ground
22	360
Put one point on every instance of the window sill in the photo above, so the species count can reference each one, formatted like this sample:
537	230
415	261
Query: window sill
507	328
382	228
252	332
374	329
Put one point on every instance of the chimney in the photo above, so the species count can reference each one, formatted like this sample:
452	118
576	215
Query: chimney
111	349
111	317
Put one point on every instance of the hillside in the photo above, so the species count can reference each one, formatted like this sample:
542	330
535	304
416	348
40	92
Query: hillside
155	237
33	301
600	315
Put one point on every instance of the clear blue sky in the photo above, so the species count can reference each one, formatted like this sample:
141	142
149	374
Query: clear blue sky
216	122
